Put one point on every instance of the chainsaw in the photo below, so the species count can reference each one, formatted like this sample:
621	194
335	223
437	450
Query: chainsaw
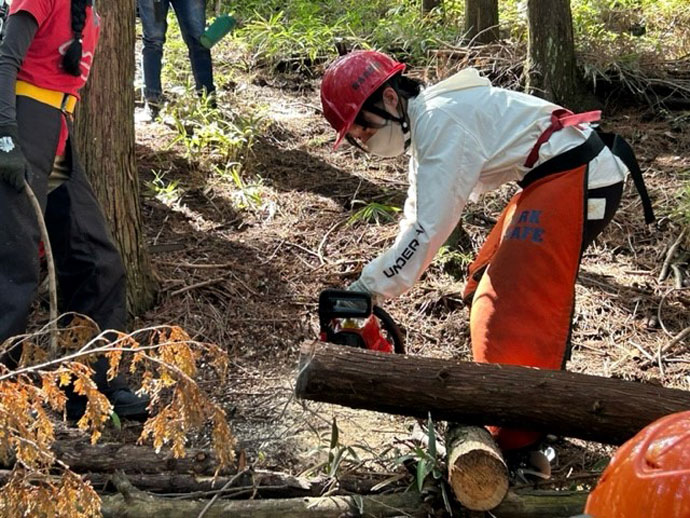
349	318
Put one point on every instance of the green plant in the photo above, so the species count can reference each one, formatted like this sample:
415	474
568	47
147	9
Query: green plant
244	195
455	262
337	454
203	128
168	193
374	213
429	466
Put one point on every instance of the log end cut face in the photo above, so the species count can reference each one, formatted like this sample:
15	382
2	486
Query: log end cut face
477	472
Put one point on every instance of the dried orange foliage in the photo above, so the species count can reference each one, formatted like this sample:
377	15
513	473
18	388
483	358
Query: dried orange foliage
32	494
189	407
166	362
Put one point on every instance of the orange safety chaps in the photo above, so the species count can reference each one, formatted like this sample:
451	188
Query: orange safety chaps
522	283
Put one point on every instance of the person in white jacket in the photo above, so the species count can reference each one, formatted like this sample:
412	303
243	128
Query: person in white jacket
466	137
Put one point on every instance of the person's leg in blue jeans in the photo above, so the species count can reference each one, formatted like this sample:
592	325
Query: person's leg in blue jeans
154	27
191	15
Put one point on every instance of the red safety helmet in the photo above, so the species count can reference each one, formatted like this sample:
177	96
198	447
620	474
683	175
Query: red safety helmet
348	83
649	476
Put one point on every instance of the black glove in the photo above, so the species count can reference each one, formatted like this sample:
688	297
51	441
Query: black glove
13	163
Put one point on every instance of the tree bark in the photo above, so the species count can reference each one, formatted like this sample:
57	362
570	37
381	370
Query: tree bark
559	402
541	504
477	472
105	137
82	457
551	65
481	21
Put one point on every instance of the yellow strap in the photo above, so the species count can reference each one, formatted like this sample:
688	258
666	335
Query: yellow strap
59	100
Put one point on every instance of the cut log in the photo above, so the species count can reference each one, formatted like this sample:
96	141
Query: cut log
477	472
559	402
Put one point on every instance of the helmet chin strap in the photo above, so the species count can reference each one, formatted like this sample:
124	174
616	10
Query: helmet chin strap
403	121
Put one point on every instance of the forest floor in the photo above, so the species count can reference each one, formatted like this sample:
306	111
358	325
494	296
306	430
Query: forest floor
249	278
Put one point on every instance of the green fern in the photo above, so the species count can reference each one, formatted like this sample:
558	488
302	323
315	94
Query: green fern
374	213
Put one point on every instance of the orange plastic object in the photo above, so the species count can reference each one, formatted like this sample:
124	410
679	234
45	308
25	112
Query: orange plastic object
649	476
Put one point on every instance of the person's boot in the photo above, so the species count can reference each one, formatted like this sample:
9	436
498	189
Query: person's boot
151	111
126	404
531	463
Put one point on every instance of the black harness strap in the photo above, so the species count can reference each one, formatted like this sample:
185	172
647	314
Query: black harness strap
585	153
624	151
576	157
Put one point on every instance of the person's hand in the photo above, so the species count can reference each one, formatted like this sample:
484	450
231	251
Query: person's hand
358	285
13	163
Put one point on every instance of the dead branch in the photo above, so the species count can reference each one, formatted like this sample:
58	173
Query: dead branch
52	279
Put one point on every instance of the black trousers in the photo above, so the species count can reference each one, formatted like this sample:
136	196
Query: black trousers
90	274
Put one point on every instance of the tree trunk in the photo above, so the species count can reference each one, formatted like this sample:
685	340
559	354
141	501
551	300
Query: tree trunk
428	5
481	20
559	402
105	137
551	65
477	472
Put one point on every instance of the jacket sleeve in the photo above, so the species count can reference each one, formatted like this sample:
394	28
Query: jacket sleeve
19	33
444	168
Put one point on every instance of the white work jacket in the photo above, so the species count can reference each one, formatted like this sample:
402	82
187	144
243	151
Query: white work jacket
467	138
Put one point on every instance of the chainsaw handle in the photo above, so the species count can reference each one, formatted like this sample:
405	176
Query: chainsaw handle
389	325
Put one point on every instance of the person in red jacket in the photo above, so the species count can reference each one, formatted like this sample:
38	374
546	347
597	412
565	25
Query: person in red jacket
45	59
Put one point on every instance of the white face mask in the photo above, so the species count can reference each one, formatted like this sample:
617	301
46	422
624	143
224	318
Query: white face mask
388	141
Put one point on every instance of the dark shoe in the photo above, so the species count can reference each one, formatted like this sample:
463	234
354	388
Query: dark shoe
532	463
128	405
152	110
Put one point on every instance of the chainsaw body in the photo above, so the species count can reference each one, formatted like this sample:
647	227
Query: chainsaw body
349	318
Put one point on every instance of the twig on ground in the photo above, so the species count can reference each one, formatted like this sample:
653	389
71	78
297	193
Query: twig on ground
661	304
220	491
198	285
325	237
184	264
666	348
669	257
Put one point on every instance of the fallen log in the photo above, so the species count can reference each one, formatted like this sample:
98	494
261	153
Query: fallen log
559	402
82	457
136	504
541	504
257	484
477	473
523	504
253	483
